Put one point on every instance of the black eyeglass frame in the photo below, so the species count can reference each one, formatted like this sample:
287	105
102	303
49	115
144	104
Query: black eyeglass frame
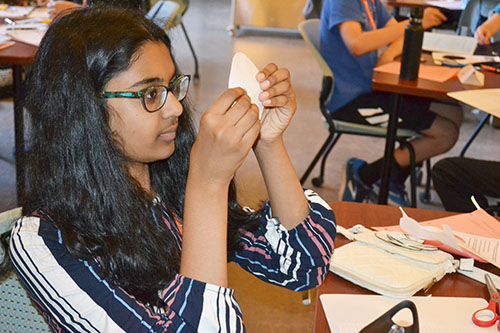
179	79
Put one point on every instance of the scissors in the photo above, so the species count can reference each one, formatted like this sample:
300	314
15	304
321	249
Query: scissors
489	315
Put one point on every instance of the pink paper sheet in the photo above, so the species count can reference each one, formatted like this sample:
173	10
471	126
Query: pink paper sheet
426	72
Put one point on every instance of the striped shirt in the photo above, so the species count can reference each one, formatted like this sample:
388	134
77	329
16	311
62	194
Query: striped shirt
73	297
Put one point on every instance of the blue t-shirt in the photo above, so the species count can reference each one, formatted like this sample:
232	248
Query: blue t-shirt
353	75
497	9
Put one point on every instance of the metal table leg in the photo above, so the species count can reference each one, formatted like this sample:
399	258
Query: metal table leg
389	149
19	131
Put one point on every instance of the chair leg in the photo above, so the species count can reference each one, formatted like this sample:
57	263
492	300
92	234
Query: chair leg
318	181
476	132
425	196
413	176
306	297
316	158
196	74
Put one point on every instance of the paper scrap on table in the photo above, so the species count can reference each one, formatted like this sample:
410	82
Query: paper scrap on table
426	72
469	75
412	227
243	74
487	100
368	112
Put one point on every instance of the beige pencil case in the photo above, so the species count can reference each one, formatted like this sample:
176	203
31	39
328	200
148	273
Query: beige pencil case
388	269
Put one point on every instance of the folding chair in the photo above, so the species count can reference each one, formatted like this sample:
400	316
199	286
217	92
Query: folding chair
18	314
310	31
168	14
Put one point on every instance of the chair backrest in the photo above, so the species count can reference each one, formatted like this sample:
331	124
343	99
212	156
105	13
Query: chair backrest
310	31
17	312
472	14
165	14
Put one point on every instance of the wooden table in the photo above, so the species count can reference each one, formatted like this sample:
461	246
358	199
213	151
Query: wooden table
349	214
16	56
422	88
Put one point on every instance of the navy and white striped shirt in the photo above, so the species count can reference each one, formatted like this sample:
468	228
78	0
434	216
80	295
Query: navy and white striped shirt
73	297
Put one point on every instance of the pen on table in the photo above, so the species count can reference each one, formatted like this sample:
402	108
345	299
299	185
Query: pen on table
6	45
451	63
490	68
22	28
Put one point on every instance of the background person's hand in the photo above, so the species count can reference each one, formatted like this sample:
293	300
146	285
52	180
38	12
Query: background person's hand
228	130
278	99
483	35
432	18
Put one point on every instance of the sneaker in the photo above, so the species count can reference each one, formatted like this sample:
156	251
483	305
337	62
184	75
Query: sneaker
397	194
353	188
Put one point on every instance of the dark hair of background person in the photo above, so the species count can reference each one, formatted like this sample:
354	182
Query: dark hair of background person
76	171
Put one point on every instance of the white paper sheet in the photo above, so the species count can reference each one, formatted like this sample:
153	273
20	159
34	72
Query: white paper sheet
350	313
447	4
486	248
368	112
243	74
487	100
449	43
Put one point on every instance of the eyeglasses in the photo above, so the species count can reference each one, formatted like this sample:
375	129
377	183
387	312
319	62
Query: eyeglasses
154	97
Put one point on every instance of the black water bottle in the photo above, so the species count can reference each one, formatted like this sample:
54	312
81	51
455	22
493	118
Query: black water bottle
412	48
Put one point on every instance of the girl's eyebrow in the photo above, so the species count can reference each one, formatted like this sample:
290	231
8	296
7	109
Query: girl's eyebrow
147	81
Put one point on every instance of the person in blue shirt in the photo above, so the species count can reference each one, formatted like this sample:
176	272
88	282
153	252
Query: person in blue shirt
489	28
357	36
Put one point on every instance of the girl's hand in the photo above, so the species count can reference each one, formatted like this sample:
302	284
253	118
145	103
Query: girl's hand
228	129
278	99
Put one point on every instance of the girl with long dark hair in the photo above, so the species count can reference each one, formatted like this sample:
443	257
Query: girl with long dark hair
134	215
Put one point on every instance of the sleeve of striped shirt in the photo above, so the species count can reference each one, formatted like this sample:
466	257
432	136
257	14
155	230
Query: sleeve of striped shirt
73	297
296	259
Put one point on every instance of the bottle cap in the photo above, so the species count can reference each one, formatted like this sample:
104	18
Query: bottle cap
417	12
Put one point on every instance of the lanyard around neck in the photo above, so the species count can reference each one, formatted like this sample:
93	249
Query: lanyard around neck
370	13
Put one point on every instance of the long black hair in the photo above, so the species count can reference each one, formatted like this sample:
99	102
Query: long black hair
77	173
